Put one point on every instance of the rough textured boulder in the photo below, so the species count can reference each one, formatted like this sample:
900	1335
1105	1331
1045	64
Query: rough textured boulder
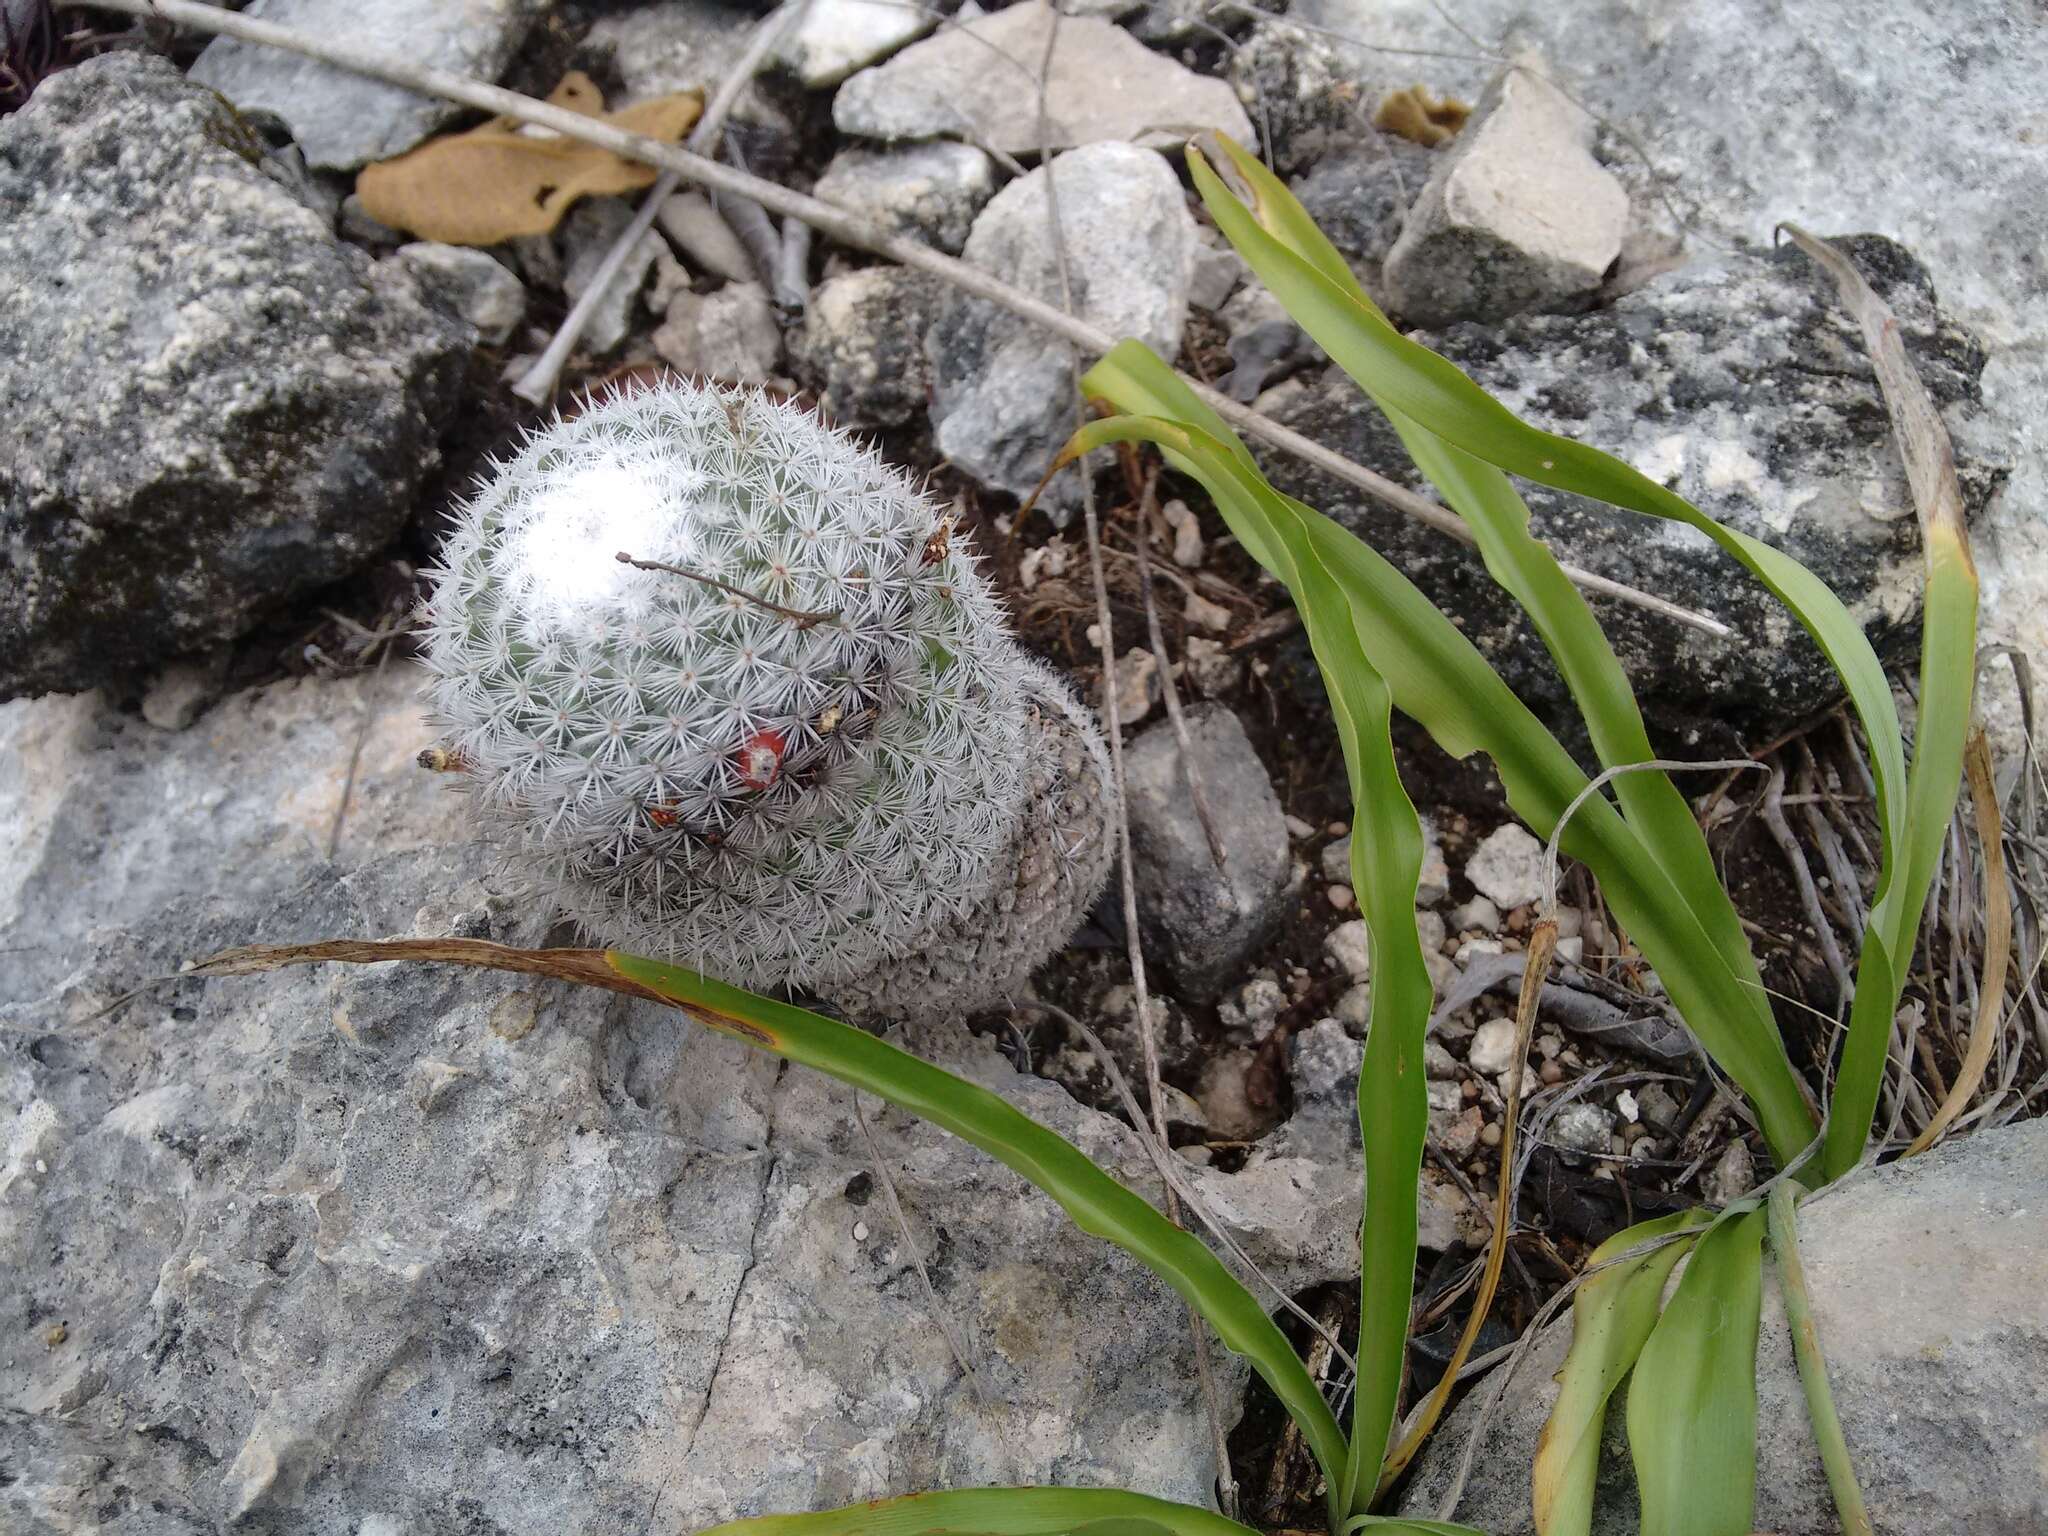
1517	215
1203	923
1003	389
1930	1290
1894	116
391	1248
1742	385
343	120
212	405
977	82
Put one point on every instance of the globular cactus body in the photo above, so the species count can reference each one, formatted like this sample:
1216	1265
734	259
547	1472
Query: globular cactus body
792	743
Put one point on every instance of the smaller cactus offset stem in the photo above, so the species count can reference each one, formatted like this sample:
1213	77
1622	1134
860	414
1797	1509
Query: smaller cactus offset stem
784	736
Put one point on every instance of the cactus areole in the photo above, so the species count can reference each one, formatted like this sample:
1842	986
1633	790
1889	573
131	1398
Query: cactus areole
734	696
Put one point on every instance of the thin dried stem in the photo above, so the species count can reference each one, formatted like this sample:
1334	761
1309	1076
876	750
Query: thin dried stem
796	616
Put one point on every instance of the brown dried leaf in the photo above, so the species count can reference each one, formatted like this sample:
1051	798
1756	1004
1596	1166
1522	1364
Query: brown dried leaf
496	182
1418	116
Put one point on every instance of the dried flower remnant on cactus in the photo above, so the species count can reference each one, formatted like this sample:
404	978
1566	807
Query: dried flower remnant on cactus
737	698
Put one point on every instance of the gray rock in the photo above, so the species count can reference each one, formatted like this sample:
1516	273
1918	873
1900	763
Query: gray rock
930	192
1359	195
674	45
588	235
470	284
344	120
1740	384
1492	1050
213	406
1929	1281
702	234
729	335
836	37
1003	390
400	1246
1507	866
1762	116
1479	915
862	345
1201	924
180	693
1217	272
1264	343
1304	91
978	82
1517	216
1350	945
1581	1127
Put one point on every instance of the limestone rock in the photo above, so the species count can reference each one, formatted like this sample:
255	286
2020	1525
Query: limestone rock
588	235
1518	215
470	284
836	37
730	335
862	345
1740	383
1507	866
1751	116
344	120
400	1245
930	192
978	82
1003	390
1199	922
213	406
1929	1281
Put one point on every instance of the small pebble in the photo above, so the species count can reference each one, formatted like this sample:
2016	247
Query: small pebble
1350	945
1471	949
1354	1008
1550	1072
1342	898
1298	829
1475	916
860	1231
1491	1135
1493	1047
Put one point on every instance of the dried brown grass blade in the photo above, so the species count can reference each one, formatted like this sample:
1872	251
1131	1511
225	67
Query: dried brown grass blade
1542	943
586	966
1997	945
1923	440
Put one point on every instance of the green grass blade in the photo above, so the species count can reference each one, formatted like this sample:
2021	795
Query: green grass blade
999	1512
1386	866
1438	678
1486	500
1393	1110
1430	390
1098	1204
1612	1316
1692	1400
1396	1525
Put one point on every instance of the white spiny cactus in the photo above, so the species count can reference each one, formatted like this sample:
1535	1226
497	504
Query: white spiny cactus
793	744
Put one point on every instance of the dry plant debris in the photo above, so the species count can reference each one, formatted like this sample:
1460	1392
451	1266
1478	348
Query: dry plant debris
1417	115
500	180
